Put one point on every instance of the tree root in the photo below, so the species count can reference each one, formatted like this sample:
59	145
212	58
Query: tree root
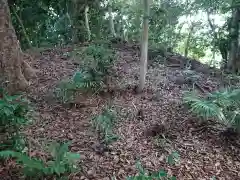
27	70
18	77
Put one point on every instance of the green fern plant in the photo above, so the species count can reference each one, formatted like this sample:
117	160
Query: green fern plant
14	114
98	60
88	80
145	175
222	105
31	166
82	80
202	107
62	162
104	123
65	91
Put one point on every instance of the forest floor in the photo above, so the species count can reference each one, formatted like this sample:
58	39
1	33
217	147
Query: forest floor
204	154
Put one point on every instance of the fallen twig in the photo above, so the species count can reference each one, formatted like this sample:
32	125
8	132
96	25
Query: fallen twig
200	88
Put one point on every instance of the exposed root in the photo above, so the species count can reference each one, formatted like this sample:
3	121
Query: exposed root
27	71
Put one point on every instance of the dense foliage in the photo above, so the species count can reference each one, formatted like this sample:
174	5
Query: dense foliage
104	123
143	174
222	105
193	28
13	116
95	66
61	163
205	30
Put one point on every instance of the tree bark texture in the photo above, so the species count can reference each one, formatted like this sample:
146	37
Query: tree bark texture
23	28
111	23
188	40
87	22
234	33
15	71
144	47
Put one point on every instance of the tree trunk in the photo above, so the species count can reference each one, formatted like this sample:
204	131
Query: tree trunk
68	14
74	22
178	35
233	53
87	22
23	28
188	40
144	47
212	26
111	23
14	69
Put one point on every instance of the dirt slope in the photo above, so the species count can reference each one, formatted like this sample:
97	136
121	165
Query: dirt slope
203	153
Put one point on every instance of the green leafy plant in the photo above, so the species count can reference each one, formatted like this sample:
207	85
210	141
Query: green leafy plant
145	175
222	105
88	80
62	161
105	123
213	178
99	58
173	158
65	91
82	80
13	116
163	142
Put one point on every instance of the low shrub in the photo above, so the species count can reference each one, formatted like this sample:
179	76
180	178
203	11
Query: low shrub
99	58
97	64
14	114
104	123
62	162
85	81
145	175
223	105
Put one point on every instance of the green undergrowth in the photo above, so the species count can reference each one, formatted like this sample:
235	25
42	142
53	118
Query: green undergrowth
223	105
104	123
144	174
61	162
16	114
96	64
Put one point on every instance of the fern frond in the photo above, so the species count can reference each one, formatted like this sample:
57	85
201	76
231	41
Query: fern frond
104	123
24	159
207	110
204	108
222	98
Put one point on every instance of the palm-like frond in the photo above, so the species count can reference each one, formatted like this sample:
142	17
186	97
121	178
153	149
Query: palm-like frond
204	108
225	98
223	105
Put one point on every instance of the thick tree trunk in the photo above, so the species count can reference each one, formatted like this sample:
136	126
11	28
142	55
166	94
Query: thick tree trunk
144	47
14	69
78	21
23	28
234	34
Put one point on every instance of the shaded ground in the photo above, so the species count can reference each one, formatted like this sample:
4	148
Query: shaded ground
203	152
